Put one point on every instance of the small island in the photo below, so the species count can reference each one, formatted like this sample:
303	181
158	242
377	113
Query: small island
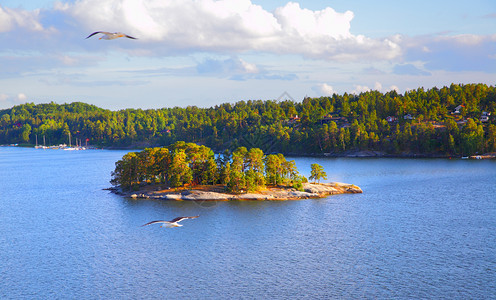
218	193
187	171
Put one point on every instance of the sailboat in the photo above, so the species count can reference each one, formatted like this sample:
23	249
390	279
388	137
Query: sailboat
70	148
39	146
80	146
44	146
36	146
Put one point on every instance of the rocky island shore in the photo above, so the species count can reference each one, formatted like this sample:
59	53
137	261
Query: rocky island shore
217	193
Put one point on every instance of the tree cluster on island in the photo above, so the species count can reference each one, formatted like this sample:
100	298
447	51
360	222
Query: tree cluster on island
190	164
452	120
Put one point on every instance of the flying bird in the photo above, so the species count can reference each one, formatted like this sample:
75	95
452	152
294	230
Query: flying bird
170	224
111	35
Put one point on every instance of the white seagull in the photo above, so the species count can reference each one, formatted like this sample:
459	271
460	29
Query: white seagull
170	224
111	35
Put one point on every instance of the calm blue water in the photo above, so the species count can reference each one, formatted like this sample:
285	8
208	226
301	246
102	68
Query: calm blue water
422	229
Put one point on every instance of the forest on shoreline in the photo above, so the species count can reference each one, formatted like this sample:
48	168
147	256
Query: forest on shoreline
453	120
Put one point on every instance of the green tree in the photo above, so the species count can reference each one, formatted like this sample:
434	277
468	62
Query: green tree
126	171
491	138
180	172
236	181
224	167
272	169
290	172
163	161
26	131
255	166
472	138
210	171
317	173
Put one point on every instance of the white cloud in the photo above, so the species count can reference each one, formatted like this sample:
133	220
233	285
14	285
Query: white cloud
21	97
46	63
226	67
237	69
466	39
232	26
227	49
457	53
11	18
363	88
314	24
249	67
360	89
5	20
409	69
324	89
377	86
9	101
394	88
68	60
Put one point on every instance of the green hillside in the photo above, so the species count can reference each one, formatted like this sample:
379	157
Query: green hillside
454	120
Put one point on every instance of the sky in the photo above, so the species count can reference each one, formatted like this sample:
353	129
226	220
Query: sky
208	52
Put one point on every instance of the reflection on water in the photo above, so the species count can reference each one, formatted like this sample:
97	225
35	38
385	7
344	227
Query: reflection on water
422	229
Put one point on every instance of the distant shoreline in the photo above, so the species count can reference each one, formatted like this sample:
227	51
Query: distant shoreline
216	192
346	154
381	154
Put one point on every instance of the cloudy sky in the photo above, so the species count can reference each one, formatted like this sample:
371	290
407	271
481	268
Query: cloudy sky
207	52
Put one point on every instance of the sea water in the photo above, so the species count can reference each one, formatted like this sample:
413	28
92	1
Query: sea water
423	228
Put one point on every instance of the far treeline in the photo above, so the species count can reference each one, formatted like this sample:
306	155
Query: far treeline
183	164
455	120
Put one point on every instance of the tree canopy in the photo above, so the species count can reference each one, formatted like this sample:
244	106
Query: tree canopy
317	173
452	120
183	164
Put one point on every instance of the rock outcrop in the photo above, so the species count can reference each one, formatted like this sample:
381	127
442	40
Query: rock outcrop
310	190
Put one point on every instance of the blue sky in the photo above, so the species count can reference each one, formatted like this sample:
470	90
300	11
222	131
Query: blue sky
207	52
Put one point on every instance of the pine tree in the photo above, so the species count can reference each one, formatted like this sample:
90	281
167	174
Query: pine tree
317	173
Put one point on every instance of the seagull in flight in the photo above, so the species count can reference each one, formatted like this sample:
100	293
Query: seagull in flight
111	35
170	224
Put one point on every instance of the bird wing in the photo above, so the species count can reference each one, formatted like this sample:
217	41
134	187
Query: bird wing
97	32
178	219
155	222
130	37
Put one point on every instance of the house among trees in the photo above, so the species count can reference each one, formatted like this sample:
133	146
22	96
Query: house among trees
328	118
293	121
391	119
408	117
457	109
485	116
